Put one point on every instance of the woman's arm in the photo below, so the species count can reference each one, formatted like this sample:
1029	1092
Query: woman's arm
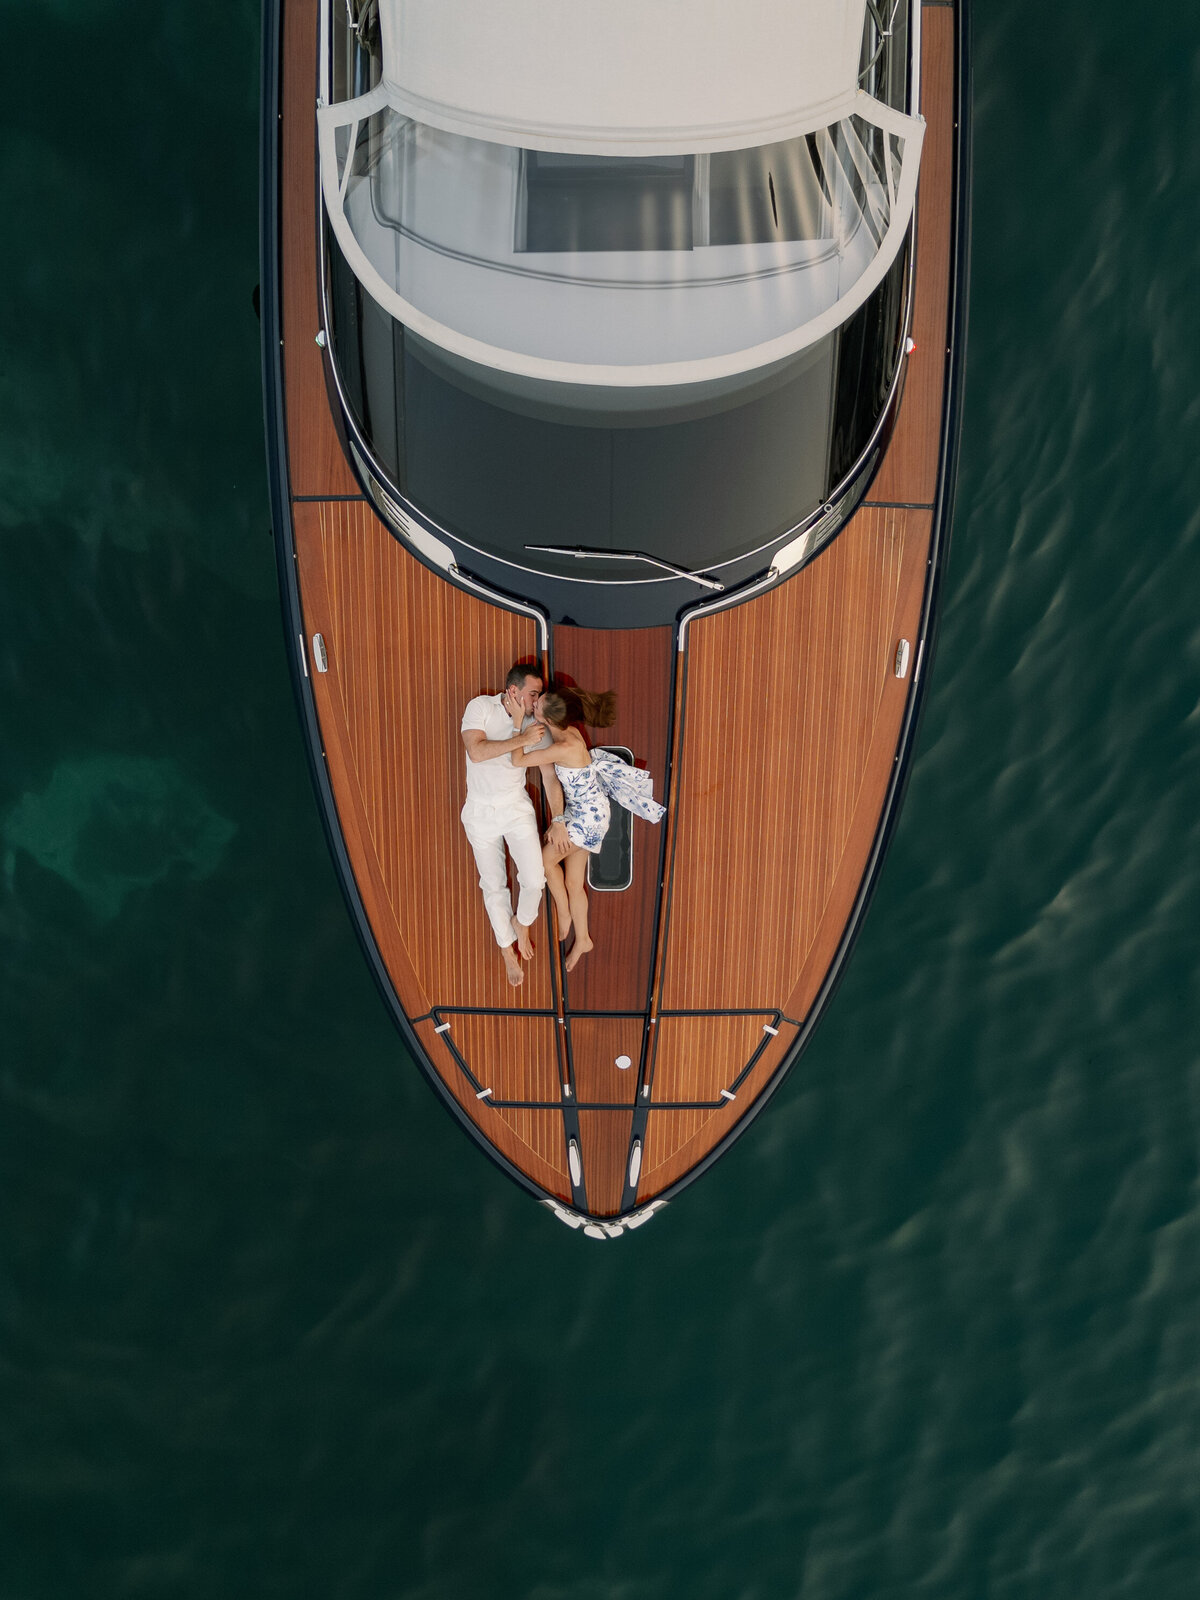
535	758
556	832
563	751
553	790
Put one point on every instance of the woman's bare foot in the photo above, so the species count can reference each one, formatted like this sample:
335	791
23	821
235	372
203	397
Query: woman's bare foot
513	967
580	948
524	943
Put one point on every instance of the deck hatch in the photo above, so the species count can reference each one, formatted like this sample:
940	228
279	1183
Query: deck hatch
612	868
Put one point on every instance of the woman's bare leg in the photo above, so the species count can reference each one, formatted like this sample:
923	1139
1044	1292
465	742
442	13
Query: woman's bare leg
558	889
574	868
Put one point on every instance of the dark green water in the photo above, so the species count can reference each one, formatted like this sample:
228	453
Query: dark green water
268	1325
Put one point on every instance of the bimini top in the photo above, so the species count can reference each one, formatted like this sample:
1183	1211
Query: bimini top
623	77
616	193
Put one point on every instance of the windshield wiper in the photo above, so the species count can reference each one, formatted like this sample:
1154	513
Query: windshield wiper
582	553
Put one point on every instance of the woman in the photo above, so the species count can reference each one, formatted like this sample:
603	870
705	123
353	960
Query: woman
578	785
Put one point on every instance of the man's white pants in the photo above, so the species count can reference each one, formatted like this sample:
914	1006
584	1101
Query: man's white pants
489	829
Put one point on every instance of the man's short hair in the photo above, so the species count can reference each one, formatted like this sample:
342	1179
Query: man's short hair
520	670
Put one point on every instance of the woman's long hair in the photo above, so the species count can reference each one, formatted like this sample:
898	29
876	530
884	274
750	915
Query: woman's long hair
567	704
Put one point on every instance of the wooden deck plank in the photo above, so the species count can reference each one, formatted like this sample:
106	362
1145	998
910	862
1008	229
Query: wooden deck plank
768	793
596	1042
639	665
316	462
877	774
697	1057
604	1147
909	470
406	652
515	1056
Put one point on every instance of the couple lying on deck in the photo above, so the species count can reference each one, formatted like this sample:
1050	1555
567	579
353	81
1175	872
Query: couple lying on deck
504	734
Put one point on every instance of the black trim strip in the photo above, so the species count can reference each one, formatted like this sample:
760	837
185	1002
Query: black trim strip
608	1105
617	1016
627	1016
492	1011
279	491
899	505
727	1011
939	543
753	1061
447	1037
667	880
572	1133
571	1117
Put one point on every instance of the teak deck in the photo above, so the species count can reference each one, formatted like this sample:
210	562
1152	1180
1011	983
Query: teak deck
773	735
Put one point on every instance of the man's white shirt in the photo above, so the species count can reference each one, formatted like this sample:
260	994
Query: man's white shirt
496	782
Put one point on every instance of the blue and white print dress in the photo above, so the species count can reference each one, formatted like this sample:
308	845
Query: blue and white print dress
587	791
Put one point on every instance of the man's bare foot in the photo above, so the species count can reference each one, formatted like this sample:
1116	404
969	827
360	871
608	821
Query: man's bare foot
516	973
581	948
524	943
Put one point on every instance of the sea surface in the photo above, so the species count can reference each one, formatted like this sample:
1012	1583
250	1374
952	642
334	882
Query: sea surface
269	1325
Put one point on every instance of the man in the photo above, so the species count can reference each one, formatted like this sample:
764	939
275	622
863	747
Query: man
499	812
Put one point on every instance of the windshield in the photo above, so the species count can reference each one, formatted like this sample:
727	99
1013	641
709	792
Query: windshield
699	483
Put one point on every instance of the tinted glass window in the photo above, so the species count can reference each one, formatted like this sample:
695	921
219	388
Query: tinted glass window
591	203
696	489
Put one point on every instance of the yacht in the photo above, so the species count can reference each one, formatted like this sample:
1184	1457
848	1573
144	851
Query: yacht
624	341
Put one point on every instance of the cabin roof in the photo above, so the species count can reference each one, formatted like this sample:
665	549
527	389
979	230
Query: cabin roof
676	75
430	181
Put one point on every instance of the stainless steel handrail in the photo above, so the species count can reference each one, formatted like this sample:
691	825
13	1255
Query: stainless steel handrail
747	591
883	29
582	553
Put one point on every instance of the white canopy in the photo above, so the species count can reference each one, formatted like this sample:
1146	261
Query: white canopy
429	181
623	77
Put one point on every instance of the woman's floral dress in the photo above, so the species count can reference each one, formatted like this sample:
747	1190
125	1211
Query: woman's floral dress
587	791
